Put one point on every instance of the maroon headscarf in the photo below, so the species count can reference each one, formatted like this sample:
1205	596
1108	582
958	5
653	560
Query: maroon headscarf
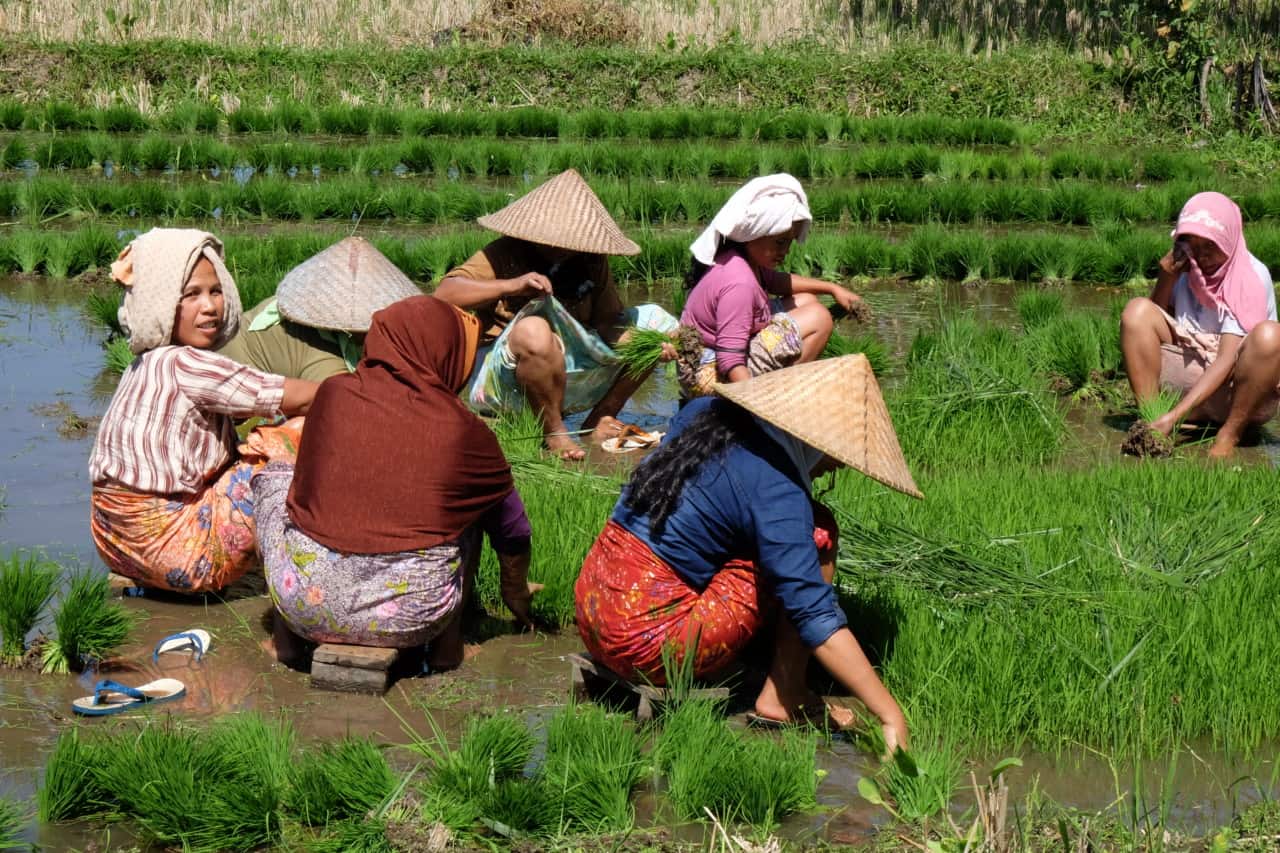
391	460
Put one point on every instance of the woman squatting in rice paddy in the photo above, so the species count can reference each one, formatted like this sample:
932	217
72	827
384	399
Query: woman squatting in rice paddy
1208	331
744	332
716	539
314	325
551	311
171	504
374	537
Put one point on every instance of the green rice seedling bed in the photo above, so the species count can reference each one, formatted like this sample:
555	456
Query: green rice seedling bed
337	119
259	260
447	202
500	157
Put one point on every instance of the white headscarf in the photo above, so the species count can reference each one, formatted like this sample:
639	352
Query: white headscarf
802	455
762	207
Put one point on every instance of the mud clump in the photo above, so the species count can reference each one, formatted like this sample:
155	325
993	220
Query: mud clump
1144	442
71	426
861	312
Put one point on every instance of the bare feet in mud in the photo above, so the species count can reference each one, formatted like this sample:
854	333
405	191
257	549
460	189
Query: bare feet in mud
566	448
813	709
1143	441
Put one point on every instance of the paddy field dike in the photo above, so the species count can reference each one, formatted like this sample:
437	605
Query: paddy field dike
1083	643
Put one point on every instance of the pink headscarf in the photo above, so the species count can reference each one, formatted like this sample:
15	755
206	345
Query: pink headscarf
1235	288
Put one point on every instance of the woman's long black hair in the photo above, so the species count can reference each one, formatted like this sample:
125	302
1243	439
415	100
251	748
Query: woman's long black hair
658	481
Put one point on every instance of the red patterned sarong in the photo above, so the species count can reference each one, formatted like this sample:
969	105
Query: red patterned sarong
190	543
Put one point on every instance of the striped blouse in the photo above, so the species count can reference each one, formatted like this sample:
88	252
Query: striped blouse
170	428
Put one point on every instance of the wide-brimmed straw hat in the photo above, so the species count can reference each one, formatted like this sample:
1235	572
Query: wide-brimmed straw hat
833	405
341	287
565	213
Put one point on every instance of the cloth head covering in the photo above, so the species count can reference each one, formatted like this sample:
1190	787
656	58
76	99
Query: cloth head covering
153	269
761	207
834	407
1235	287
565	213
340	288
392	460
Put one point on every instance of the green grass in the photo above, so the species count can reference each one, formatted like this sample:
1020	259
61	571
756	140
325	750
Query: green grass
27	584
13	818
1037	307
863	342
88	626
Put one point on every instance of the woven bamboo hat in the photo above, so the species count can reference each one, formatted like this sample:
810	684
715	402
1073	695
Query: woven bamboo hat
341	287
565	213
833	405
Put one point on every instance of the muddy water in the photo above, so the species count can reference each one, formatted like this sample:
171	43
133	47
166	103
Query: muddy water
49	354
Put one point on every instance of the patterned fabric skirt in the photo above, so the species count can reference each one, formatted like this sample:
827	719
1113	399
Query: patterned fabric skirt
631	604
775	346
189	543
1184	361
395	600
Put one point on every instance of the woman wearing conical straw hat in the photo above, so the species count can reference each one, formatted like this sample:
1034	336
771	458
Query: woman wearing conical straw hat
750	316
717	528
546	297
1208	330
314	325
171	505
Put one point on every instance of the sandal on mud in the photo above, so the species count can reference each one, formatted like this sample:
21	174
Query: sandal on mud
195	640
110	697
631	438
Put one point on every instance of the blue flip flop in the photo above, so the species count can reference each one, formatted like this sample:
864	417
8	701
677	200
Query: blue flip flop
196	640
111	697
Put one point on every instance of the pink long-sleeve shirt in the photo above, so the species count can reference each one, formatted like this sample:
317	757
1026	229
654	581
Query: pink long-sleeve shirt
730	304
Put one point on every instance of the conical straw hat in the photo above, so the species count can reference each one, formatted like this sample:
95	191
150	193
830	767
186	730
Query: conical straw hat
341	287
563	212
833	405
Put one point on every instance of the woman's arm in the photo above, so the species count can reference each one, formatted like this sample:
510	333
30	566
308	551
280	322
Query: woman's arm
845	660
843	296
1218	372
472	293
517	592
298	394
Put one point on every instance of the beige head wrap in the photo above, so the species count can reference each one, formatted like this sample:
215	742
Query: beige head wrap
153	269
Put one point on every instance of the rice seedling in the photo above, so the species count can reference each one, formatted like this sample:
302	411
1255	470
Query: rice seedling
361	835
13	817
12	115
920	784
70	788
866	343
1158	405
27	583
1068	349
493	749
1037	307
640	351
593	762
515	808
337	781
119	356
88	626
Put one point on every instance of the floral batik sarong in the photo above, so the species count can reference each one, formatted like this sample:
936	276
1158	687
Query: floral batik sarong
189	543
395	600
775	346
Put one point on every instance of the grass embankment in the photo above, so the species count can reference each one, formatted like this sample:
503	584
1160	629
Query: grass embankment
1041	85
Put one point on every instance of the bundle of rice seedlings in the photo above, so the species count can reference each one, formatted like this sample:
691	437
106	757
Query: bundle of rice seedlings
70	788
920	783
593	763
865	343
103	308
357	835
335	781
13	816
640	351
492	749
1037	307
89	626
119	356
736	776
1067	349
522	807
1143	441
26	586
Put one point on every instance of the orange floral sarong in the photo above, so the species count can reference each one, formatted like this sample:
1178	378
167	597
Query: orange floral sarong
190	543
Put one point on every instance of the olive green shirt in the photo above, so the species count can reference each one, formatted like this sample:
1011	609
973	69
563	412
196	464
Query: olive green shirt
286	348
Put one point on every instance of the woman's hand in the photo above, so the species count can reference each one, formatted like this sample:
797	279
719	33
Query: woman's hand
895	735
529	284
668	352
1165	424
518	601
847	299
1175	260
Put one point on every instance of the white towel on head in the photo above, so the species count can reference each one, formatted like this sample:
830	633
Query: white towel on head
760	208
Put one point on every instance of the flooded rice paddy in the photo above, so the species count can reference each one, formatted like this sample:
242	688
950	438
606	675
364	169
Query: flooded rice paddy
52	388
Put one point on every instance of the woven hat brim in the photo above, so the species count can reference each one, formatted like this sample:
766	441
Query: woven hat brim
564	213
341	288
833	405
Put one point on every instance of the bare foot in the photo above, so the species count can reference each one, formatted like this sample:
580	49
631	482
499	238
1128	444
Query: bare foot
607	427
566	448
1222	450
